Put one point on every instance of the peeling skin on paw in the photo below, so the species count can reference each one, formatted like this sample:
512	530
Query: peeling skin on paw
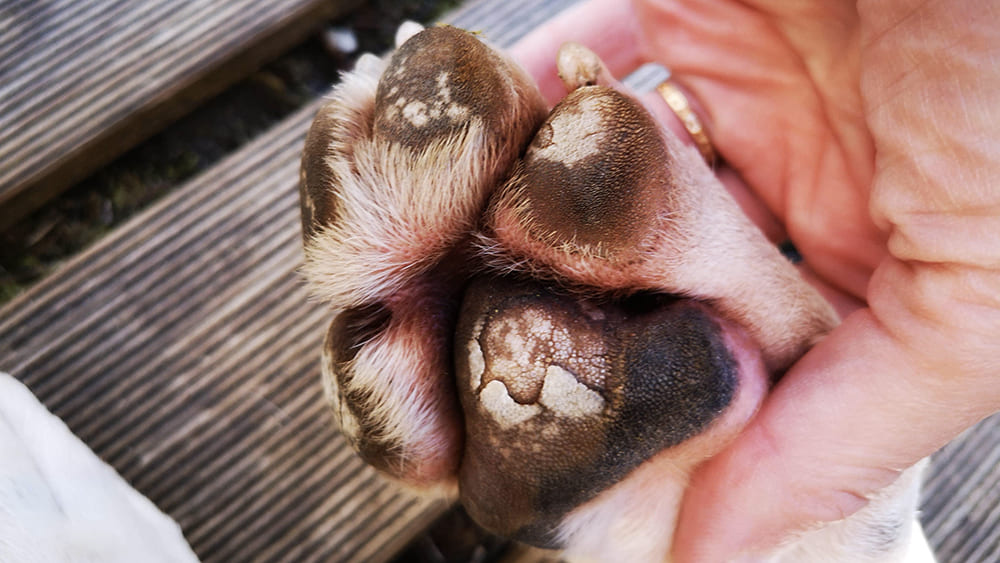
567	397
666	373
477	364
572	136
453	110
416	113
421	112
400	70
457	112
503	408
524	344
562	394
525	363
444	88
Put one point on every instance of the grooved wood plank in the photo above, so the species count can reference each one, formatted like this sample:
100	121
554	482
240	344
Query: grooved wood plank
183	349
961	500
83	80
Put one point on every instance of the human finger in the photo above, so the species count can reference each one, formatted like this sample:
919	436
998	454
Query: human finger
778	87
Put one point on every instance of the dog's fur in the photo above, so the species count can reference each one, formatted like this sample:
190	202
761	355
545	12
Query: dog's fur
59	502
382	207
588	397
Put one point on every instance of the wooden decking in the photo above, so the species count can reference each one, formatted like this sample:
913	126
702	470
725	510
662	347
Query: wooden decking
182	348
961	506
81	81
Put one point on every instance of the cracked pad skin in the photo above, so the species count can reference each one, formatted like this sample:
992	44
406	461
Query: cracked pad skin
601	387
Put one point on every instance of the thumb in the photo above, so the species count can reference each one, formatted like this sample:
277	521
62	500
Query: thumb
842	424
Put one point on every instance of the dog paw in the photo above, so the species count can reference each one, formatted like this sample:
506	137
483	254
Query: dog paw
396	172
398	165
623	317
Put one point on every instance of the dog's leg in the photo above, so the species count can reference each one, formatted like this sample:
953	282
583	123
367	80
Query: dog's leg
396	172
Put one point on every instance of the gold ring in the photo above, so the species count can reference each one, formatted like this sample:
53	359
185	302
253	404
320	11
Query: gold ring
678	102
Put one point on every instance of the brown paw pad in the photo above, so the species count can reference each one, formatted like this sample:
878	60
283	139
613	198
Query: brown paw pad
564	396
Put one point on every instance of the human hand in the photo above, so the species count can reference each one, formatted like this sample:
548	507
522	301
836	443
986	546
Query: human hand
830	116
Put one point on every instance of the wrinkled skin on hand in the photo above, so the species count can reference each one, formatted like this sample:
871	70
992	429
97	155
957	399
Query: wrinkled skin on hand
621	319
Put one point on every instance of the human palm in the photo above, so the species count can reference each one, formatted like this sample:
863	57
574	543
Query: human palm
781	96
799	99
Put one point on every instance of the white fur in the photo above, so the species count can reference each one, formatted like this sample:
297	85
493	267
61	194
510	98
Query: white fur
398	218
60	503
407	30
633	520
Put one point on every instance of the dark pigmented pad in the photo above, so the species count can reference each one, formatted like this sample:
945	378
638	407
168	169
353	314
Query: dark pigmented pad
596	388
353	327
435	83
316	178
595	174
349	330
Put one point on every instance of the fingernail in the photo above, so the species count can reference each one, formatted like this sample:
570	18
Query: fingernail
579	66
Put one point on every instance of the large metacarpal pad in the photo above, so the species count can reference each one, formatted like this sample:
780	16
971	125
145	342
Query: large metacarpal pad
565	395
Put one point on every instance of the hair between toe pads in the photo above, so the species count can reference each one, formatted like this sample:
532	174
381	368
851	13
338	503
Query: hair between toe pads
564	396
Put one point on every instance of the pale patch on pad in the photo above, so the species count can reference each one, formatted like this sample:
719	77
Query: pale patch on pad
416	113
477	364
453	110
504	409
575	135
565	396
457	112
